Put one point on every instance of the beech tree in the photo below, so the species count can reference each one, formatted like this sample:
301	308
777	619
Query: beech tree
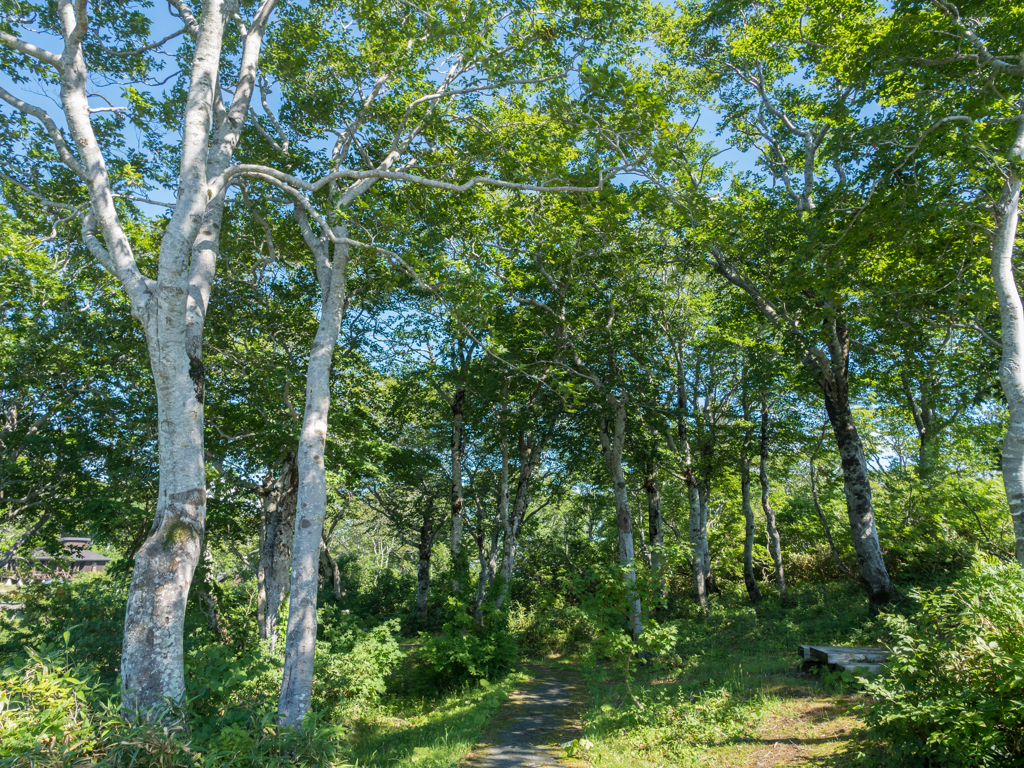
391	118
796	130
171	307
960	85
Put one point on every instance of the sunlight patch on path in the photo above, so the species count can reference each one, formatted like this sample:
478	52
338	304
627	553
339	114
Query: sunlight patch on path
537	718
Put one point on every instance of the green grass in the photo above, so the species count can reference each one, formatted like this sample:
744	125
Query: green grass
429	731
733	693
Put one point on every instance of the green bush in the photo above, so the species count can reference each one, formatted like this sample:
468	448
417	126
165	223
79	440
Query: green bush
465	651
91	606
558	628
57	713
954	690
352	664
44	705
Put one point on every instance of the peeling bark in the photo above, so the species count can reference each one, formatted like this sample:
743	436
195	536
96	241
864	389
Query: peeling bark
277	531
857	488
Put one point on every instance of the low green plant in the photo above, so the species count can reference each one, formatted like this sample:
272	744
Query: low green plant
465	650
44	706
557	628
954	688
353	663
56	712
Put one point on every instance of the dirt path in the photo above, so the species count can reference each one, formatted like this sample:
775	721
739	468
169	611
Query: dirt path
540	715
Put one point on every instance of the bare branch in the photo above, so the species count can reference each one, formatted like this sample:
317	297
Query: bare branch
51	128
144	48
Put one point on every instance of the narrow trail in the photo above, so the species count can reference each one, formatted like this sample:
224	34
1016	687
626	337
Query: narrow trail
527	731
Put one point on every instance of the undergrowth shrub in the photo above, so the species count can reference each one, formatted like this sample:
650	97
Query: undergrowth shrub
56	712
466	651
44	705
352	664
955	684
556	629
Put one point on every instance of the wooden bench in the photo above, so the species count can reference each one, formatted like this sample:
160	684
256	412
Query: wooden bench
865	660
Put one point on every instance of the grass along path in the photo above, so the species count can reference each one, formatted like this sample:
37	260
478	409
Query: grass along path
427	732
734	694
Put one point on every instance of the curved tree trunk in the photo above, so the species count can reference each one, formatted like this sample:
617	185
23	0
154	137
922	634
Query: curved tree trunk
829	363
300	642
1011	315
152	657
171	309
611	446
857	488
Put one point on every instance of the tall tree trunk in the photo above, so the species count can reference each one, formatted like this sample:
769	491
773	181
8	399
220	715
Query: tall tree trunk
611	446
488	560
692	494
300	642
488	565
774	540
1011	316
207	593
857	488
330	566
277	530
152	656
655	525
530	452
824	522
832	372
703	551
753	590
171	309
458	408
927	455
700	591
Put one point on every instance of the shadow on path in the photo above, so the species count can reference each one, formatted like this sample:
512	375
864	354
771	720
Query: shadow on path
528	729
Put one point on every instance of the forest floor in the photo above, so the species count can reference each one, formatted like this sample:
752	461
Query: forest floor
732	694
736	695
